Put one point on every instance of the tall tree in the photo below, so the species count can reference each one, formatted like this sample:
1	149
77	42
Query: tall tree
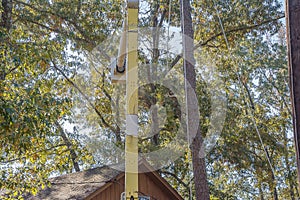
293	26
194	131
40	82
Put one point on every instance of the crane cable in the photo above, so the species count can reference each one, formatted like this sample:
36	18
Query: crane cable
240	81
168	36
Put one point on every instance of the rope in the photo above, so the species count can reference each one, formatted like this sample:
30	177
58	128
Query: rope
168	39
247	103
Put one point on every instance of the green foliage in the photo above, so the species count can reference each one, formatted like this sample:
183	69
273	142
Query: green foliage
34	95
41	60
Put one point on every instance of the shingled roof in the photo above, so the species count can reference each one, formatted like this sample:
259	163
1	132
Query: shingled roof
85	184
77	185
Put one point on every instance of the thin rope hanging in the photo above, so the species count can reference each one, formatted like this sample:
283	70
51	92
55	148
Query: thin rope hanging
168	37
240	81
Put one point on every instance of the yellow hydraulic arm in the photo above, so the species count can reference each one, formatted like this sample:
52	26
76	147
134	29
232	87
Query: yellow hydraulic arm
131	143
128	47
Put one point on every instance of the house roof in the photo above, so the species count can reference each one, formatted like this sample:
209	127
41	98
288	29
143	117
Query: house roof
85	184
77	185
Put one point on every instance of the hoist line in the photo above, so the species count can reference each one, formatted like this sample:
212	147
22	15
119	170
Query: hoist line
168	37
240	81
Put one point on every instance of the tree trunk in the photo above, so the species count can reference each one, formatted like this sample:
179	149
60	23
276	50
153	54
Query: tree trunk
274	190
200	177
5	23
69	145
153	77
6	14
157	23
293	41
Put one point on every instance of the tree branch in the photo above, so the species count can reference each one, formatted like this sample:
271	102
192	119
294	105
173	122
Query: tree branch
44	150
174	176
69	145
213	37
236	29
279	92
55	30
85	38
85	97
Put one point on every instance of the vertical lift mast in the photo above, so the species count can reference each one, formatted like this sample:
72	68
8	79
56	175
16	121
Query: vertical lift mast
128	48
131	143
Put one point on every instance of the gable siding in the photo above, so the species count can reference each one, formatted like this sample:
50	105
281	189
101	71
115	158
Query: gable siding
146	188
113	192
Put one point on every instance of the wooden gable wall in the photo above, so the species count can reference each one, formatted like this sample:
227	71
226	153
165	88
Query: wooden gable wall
149	185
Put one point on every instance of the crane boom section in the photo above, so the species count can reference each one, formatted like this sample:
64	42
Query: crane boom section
131	143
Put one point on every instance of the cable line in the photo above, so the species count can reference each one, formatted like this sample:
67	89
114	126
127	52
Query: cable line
240	81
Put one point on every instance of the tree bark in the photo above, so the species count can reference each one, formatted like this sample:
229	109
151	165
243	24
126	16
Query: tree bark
153	76
5	23
274	189
157	24
293	41
199	169
6	14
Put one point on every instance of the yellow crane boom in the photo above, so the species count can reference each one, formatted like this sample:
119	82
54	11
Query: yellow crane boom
128	47
131	143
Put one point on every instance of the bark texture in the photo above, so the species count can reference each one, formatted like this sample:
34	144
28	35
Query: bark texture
293	37
6	14
196	140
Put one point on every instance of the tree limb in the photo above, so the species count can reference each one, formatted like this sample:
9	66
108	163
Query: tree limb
85	97
213	37
69	145
43	150
85	38
186	185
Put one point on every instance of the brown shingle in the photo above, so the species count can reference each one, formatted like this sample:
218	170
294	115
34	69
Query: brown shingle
76	185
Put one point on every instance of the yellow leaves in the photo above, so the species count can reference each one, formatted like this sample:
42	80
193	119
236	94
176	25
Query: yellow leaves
15	193
6	93
34	191
187	155
33	158
62	111
44	65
